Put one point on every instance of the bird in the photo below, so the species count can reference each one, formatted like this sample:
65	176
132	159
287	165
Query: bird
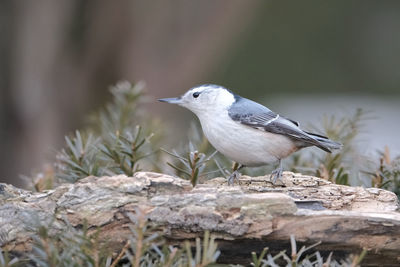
245	131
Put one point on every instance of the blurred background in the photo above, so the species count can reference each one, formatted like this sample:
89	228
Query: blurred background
303	59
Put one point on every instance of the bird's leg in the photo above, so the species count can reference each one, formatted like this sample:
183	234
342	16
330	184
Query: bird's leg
235	174
277	173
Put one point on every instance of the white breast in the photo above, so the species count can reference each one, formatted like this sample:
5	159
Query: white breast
244	144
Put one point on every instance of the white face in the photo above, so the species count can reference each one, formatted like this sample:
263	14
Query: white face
205	99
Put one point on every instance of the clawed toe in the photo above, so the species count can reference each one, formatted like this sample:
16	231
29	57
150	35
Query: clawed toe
234	176
276	174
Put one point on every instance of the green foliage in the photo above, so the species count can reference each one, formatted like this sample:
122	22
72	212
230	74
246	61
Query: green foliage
82	247
141	240
192	164
122	156
203	257
338	166
144	247
300	258
114	144
6	261
79	158
190	160
386	174
71	247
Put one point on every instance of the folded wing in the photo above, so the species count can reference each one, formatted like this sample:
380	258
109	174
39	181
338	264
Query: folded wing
255	115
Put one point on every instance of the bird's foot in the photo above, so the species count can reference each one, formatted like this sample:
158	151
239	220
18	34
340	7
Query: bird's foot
234	176
276	174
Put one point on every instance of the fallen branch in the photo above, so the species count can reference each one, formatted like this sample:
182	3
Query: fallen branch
244	218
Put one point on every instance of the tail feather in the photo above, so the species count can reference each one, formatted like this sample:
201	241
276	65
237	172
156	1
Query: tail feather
325	143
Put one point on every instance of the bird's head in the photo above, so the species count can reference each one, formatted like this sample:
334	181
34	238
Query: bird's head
204	99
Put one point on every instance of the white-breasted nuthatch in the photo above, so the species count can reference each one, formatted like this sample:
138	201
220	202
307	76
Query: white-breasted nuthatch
245	131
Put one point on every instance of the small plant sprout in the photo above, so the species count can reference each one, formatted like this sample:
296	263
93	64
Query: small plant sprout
205	255
386	174
142	238
112	145
301	258
123	152
257	261
337	167
70	247
6	261
79	158
192	164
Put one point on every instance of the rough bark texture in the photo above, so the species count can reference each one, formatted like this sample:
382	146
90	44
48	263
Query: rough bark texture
245	217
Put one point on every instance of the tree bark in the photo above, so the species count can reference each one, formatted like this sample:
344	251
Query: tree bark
245	217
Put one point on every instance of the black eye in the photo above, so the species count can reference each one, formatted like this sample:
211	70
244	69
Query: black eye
196	94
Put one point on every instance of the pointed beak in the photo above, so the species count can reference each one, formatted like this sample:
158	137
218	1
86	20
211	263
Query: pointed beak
172	100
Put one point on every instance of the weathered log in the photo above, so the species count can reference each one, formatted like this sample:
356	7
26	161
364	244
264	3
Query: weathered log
245	217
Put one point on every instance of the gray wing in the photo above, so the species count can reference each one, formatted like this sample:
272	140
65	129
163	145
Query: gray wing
255	115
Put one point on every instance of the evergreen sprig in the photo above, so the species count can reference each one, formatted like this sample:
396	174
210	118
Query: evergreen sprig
386	174
79	158
124	153
192	164
71	247
205	254
337	166
299	258
7	261
114	144
144	247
